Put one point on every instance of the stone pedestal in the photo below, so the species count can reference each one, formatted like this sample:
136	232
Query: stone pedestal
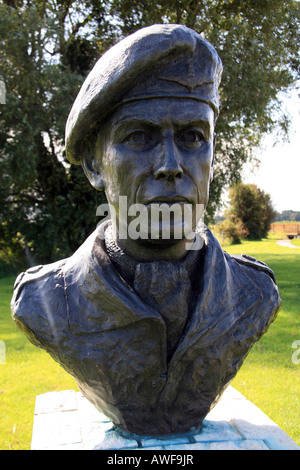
67	421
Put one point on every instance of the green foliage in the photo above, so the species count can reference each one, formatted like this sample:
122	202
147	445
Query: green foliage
293	216
232	230
50	204
258	42
46	51
12	252
253	207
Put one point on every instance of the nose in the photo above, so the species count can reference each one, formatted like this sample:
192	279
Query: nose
169	168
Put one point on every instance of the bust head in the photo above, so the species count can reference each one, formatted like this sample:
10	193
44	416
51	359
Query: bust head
142	127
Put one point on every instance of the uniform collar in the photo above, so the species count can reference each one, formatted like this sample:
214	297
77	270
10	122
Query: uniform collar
126	265
99	299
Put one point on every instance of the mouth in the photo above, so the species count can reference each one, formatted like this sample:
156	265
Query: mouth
169	200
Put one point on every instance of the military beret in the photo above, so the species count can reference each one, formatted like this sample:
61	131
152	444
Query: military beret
158	61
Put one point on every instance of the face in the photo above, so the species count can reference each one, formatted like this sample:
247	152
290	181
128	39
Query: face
158	151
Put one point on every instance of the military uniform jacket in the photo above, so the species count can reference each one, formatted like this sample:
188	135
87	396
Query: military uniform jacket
83	313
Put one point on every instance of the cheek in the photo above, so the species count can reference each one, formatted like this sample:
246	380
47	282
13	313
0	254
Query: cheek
110	170
200	170
200	164
123	172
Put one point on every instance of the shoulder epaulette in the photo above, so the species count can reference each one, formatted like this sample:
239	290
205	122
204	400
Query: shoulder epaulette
34	274
254	263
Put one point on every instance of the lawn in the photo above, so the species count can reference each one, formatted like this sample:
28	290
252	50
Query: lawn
27	372
269	377
296	241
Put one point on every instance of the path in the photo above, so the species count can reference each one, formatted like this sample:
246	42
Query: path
287	244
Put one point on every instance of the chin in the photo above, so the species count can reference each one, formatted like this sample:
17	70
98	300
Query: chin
166	236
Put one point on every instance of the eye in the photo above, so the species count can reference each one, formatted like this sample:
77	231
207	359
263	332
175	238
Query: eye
191	138
138	139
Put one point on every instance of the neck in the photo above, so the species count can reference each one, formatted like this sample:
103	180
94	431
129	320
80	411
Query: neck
127	263
145	250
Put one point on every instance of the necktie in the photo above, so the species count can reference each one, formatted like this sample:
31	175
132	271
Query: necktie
166	287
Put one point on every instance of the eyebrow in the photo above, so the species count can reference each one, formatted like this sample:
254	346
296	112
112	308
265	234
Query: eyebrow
128	121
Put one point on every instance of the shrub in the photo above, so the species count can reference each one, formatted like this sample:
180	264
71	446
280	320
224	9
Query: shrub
253	207
232	229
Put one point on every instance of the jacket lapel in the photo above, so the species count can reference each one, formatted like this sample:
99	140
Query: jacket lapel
98	299
227	294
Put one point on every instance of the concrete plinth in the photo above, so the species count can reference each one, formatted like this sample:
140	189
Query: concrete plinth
67	421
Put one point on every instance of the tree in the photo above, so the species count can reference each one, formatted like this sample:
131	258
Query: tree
41	197
258	43
46	50
288	215
253	207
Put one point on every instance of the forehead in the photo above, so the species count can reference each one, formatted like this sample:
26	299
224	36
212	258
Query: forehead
162	111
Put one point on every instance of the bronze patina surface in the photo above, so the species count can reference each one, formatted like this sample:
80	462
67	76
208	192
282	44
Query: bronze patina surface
152	331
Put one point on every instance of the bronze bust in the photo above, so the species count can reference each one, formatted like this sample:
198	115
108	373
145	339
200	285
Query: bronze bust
152	331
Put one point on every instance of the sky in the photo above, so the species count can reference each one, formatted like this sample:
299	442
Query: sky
279	171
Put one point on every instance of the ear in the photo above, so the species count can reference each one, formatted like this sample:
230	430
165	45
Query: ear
211	176
91	169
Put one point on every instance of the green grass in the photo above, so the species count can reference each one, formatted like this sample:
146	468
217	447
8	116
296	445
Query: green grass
27	372
296	241
286	222
268	377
